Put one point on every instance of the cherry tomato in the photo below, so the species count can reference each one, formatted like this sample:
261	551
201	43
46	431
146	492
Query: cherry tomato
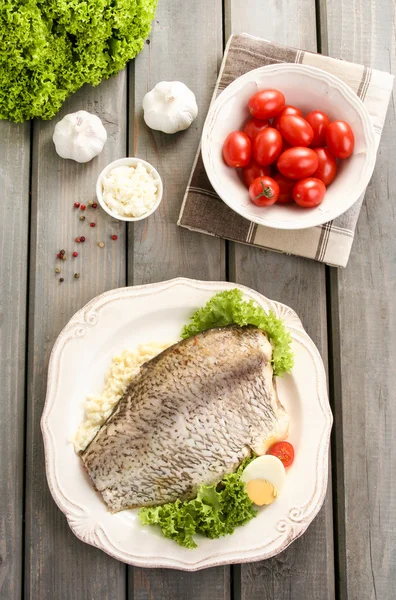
319	122
267	146
309	192
266	104
288	110
285	188
327	168
254	170
237	149
297	163
340	139
284	451
295	130
264	191
254	126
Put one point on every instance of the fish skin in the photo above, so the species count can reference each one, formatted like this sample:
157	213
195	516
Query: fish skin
191	415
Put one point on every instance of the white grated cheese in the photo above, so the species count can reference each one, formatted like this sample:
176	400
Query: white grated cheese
123	369
130	191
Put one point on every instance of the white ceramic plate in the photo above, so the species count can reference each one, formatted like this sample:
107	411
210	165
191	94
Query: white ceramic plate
121	319
309	89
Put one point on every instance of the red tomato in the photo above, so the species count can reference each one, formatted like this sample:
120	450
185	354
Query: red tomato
264	191
295	130
284	451
254	170
285	188
267	146
254	126
309	192
297	163
266	104
237	149
327	168
340	139
319	122
288	110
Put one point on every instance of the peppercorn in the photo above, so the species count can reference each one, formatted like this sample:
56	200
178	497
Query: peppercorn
82	239
61	280
82	218
76	275
114	237
76	205
57	270
101	244
75	254
92	224
83	207
94	205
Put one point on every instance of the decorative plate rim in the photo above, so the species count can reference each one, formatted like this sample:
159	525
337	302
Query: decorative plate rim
316	73
297	521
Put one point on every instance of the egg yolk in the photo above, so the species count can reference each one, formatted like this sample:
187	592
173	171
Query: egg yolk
261	492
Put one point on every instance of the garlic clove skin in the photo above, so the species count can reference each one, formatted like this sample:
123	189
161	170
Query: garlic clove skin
79	136
170	107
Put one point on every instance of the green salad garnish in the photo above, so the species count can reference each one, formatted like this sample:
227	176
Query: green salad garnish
50	48
216	511
228	308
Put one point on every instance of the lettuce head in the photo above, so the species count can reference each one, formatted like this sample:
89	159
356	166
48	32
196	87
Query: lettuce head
50	48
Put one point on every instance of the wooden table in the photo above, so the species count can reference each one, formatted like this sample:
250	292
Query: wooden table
349	551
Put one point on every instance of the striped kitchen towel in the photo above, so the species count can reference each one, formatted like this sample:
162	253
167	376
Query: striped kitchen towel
204	211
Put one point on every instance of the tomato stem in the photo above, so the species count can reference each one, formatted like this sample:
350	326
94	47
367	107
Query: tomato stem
267	192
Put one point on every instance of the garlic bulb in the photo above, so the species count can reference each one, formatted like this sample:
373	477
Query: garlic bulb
170	107
79	136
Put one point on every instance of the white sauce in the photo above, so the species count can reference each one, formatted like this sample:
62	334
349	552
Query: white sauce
130	191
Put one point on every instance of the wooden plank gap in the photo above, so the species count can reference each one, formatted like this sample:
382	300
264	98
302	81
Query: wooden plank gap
25	428
236	585
337	452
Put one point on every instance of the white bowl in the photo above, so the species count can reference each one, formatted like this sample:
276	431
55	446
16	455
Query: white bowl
309	89
131	162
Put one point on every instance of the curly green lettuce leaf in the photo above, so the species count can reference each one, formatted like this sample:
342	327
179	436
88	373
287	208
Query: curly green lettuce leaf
216	511
229	307
50	48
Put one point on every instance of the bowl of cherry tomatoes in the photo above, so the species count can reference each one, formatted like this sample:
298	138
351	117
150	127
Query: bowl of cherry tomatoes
288	146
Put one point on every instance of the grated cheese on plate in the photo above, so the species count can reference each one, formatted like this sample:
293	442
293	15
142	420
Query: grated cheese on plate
130	191
123	369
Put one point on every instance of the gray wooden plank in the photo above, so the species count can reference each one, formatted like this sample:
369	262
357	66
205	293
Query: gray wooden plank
161	584
185	45
364	346
57	564
307	567
14	227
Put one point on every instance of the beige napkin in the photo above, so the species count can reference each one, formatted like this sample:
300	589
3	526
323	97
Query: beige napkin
204	211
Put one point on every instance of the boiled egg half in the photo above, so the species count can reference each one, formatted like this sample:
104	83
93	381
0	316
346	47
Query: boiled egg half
264	479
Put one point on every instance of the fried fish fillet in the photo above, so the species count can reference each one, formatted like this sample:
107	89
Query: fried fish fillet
190	416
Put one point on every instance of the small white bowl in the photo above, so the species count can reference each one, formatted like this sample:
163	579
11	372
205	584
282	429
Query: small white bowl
130	162
308	88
